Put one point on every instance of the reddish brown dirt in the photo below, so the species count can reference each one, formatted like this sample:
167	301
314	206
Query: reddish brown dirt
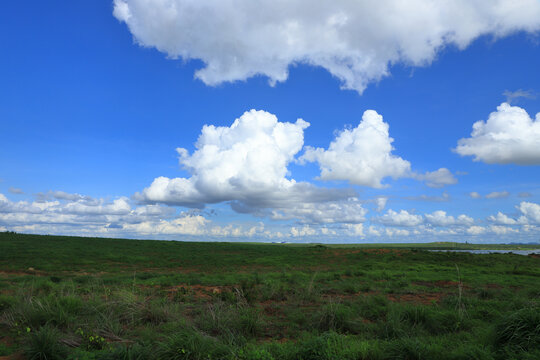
384	251
340	253
422	298
8	341
179	269
198	291
17	356
22	273
494	286
440	283
348	296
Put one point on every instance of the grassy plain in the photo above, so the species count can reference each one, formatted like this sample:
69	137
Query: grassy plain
94	298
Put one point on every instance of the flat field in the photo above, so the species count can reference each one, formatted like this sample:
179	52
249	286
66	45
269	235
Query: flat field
94	298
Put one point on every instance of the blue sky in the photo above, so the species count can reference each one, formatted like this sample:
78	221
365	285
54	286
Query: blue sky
95	98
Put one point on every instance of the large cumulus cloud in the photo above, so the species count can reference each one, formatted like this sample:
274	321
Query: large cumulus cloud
245	164
509	136
356	41
364	156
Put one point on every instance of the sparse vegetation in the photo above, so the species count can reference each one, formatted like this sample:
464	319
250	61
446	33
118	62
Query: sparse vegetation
83	298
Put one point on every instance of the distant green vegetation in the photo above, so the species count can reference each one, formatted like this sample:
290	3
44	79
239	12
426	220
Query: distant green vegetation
95	298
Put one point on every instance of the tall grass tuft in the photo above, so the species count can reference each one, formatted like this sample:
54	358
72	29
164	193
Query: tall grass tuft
519	331
44	344
188	344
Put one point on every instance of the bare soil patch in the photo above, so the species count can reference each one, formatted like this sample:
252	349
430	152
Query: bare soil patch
421	298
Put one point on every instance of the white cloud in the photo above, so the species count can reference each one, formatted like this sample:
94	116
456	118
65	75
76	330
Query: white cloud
246	165
502	230
381	203
497	195
476	230
82	210
442	198
355	230
396	232
530	211
303	231
475	195
349	211
502	219
372	230
402	218
438	178
439	218
361	156
492	229
509	136
520	93
530	215
186	225
14	190
83	215
356	41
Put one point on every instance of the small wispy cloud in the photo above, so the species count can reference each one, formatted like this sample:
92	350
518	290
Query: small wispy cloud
14	190
497	195
475	195
511	96
442	198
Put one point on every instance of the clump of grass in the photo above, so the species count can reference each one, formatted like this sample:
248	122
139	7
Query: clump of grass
156	312
188	344
44	344
337	317
6	302
327	346
231	323
407	349
249	322
519	331
372	307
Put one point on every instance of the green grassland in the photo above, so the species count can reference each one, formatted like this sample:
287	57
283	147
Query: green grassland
95	298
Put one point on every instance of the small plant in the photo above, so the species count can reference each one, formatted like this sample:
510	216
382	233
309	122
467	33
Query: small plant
460	306
91	341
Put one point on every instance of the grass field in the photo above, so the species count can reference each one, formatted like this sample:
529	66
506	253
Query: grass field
93	298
